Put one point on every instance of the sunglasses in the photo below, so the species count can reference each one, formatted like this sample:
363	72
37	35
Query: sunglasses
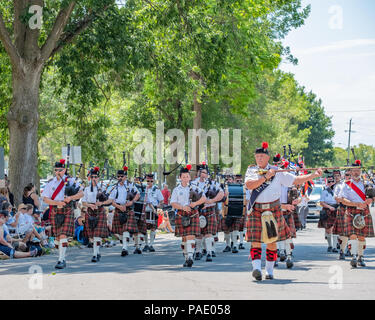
59	170
94	177
330	181
347	175
120	177
23	208
150	180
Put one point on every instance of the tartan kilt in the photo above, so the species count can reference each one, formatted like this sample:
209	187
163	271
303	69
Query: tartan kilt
236	225
68	227
339	226
218	223
117	227
101	230
133	225
192	230
297	222
289	219
367	231
254	225
211	227
330	221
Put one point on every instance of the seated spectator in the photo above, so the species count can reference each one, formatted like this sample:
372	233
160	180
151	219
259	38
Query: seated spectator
30	197
11	221
4	195
165	225
6	246
25	224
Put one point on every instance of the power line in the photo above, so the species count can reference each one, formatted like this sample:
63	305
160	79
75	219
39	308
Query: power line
350	111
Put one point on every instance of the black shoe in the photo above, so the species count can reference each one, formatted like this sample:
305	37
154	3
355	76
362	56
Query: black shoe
241	246
282	256
151	248
124	253
353	262
348	254
269	277
208	258
94	259
189	262
276	264
99	256
198	256
90	245
227	249
234	250
204	252
361	261
185	264
60	265
338	246
146	248
342	255
329	249
257	274
213	254
137	251
334	250
289	263
231	244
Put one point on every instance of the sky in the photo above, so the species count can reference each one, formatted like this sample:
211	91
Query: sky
335	49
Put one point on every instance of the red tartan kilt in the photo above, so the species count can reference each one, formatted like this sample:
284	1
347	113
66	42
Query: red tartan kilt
218	223
67	228
297	223
289	219
133	225
236	225
254	225
211	227
117	227
192	230
330	221
101	230
367	231
339	226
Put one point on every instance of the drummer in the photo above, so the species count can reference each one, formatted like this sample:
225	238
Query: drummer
153	200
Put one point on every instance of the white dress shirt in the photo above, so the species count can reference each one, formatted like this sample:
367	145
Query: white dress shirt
349	194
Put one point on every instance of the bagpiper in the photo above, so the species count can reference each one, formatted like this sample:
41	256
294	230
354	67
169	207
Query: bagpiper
95	226
153	200
358	221
186	199
328	214
207	214
265	222
61	209
124	222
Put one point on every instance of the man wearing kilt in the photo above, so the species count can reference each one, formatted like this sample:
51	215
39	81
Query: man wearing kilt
354	197
265	200
287	208
339	226
61	212
187	216
213	193
242	228
95	218
328	214
124	222
153	200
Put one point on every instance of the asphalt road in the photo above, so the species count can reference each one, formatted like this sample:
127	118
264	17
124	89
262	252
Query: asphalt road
160	275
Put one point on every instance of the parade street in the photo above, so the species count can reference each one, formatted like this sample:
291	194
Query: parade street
160	275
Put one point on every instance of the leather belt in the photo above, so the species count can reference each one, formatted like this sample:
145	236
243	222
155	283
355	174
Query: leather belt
265	206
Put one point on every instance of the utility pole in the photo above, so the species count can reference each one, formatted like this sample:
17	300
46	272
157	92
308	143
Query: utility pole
350	131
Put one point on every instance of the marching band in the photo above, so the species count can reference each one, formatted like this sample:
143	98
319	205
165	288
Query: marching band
262	209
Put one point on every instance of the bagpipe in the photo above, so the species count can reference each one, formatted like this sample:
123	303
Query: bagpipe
71	189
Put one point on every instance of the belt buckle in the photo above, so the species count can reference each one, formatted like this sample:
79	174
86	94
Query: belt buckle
266	206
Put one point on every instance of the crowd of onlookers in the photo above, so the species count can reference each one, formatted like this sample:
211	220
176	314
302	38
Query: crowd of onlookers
25	231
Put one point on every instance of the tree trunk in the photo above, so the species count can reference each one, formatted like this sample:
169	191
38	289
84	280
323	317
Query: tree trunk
23	121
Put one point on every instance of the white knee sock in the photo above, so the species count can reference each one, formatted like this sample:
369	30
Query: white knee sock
198	245
96	246
212	244
152	237
361	248
329	239
190	248
125	239
63	244
204	245
257	264
208	241
241	237
334	240
227	239
288	247
269	267
353	246
146	238
281	245
234	238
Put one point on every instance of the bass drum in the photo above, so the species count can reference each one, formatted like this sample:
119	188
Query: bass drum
235	200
